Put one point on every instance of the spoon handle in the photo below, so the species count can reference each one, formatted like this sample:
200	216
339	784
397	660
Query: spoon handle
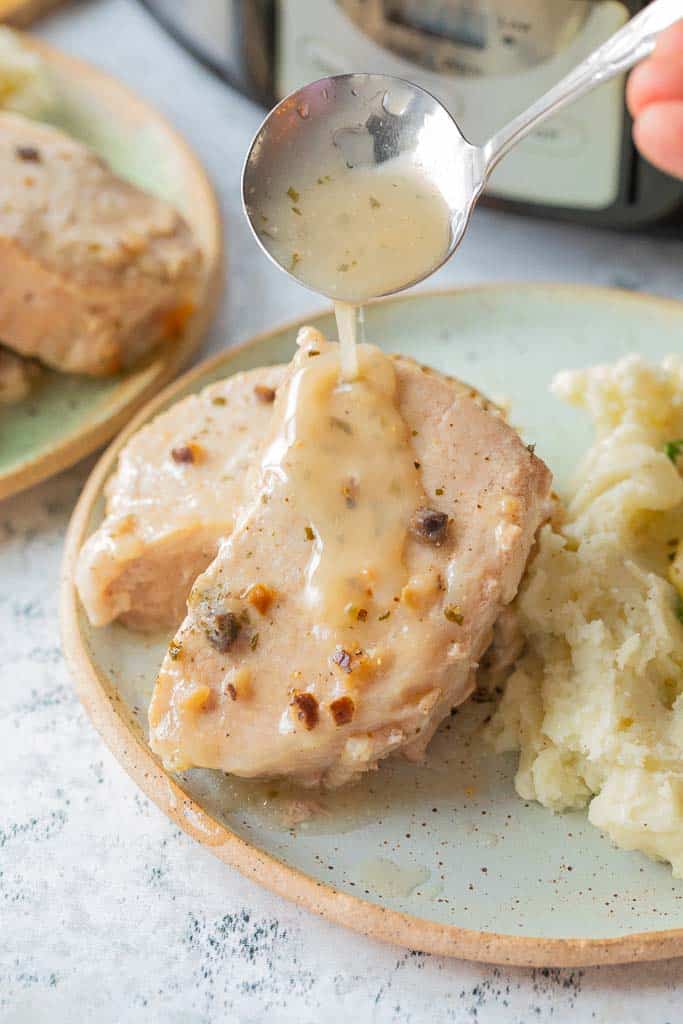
621	51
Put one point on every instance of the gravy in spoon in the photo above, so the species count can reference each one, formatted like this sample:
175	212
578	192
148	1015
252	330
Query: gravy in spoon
354	233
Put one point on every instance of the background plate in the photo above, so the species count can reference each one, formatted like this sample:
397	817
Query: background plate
445	857
68	416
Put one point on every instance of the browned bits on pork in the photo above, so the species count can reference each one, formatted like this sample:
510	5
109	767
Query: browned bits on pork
453	614
199	699
264	393
222	629
350	492
354	612
342	710
429	525
232	691
123	526
174	320
29	154
340	424
307	709
187	453
174	650
342	658
261	596
183	453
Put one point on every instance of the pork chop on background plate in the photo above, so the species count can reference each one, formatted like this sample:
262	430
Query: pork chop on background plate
94	272
17	377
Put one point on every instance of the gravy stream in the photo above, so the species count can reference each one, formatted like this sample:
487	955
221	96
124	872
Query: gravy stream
347	317
344	452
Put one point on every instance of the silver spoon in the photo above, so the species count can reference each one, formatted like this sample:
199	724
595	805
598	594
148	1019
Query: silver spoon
373	118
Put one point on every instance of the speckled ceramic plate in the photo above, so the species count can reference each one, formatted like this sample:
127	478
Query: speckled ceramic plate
66	417
445	857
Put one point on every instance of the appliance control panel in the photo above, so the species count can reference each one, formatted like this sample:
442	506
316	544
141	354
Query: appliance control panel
573	160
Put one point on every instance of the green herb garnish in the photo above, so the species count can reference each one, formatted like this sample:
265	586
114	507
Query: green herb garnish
293	194
673	449
453	614
679	608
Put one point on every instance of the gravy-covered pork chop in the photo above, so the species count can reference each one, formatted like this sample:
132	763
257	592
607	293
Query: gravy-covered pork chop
173	496
93	271
388	524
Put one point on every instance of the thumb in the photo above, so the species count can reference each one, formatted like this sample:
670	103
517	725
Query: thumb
658	134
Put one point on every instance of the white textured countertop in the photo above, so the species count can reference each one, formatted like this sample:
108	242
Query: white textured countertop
107	912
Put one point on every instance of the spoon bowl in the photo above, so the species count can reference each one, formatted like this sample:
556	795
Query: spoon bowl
354	123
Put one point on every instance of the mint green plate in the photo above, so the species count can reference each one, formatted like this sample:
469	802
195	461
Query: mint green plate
444	857
67	417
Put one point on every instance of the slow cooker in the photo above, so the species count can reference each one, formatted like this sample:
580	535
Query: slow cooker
485	59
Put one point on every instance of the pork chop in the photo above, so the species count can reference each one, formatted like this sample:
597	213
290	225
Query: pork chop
17	377
275	671
173	496
93	271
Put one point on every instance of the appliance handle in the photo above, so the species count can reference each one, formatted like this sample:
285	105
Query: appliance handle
625	48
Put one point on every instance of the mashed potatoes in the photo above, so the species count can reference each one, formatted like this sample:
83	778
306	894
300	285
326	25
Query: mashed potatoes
595	705
25	85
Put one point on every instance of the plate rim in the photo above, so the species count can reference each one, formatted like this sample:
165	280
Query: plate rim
372	920
81	442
